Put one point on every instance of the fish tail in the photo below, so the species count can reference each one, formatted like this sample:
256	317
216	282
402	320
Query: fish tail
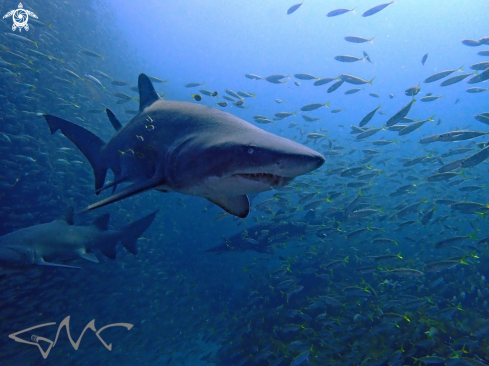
88	143
131	233
372	40
35	42
370	82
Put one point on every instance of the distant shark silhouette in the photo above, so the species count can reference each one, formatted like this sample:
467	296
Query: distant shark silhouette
191	149
61	239
238	243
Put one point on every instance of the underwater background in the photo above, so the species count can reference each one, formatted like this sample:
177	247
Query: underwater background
380	265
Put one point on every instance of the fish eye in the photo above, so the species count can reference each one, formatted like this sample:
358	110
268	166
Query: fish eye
250	151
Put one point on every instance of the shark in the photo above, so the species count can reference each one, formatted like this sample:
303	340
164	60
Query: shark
60	239
174	146
298	228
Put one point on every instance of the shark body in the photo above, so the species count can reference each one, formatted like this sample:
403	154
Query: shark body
191	149
62	240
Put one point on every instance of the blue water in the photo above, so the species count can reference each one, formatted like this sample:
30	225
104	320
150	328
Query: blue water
219	42
191	307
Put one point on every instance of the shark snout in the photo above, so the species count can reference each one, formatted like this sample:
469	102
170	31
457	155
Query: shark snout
293	165
13	258
314	161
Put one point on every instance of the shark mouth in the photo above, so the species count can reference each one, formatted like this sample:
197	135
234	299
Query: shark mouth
266	178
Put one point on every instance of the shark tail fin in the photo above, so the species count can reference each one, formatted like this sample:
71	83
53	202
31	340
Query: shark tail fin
88	143
131	233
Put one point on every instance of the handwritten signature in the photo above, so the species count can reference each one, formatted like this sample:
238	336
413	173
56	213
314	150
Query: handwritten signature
66	323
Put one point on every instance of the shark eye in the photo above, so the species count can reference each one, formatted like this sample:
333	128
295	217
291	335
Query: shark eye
250	151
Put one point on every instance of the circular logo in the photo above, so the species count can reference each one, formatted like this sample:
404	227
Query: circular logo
20	18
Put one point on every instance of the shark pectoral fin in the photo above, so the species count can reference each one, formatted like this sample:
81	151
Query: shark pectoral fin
42	263
110	185
235	205
113	120
129	191
89	257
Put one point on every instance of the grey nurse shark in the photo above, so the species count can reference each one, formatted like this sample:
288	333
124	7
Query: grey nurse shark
191	149
62	240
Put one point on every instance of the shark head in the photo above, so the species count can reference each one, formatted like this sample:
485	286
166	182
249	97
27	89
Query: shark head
242	161
15	257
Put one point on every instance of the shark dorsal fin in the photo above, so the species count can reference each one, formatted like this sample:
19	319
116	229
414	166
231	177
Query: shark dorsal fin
147	93
68	215
102	222
113	120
